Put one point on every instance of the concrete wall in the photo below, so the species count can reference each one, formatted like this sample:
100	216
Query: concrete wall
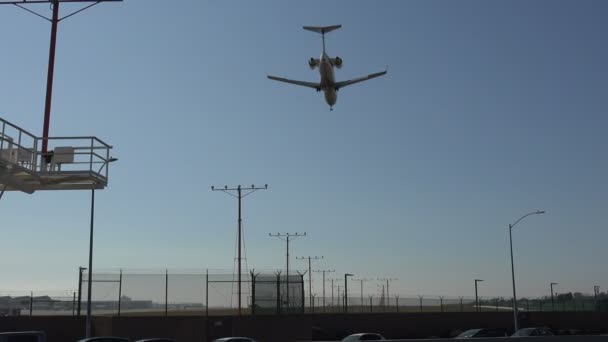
57	328
298	327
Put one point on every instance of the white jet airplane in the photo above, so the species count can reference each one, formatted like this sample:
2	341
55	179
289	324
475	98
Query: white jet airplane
326	66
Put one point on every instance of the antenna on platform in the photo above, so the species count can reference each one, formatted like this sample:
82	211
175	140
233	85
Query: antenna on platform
55	19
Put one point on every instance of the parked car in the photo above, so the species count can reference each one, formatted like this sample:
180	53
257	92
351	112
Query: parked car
235	339
105	339
364	337
489	332
23	336
525	332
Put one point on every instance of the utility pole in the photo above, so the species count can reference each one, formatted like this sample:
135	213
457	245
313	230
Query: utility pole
286	237
239	195
324	271
596	292
477	298
337	289
310	258
362	280
54	20
552	302
388	295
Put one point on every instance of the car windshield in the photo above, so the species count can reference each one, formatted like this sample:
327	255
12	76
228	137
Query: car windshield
469	333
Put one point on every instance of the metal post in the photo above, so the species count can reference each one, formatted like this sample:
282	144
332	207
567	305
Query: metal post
441	303
302	285
279	292
90	269
361	293
166	293
239	196
80	269
346	275
461	305
552	301
252	293
240	227
515	322
476	298
332	293
397	302
49	80
420	302
119	291
323	290
207	293
74	304
371	304
31	303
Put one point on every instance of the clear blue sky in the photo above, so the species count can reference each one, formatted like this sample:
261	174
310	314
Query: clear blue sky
489	110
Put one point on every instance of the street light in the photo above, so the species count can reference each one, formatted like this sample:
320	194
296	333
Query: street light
552	303
346	275
513	267
90	268
476	298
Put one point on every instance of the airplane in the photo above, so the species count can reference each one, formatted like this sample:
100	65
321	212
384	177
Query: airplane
326	66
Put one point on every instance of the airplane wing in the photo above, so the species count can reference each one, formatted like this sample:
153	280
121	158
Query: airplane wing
343	84
300	83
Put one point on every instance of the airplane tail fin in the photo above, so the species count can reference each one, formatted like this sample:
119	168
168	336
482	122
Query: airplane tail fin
322	29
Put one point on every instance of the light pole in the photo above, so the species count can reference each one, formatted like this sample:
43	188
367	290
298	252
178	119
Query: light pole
476	298
346	275
323	271
80	269
362	280
90	268
515	323
552	302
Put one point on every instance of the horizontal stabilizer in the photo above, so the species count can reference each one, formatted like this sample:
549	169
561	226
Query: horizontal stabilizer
322	29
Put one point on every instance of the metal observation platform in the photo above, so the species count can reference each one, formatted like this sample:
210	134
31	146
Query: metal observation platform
71	163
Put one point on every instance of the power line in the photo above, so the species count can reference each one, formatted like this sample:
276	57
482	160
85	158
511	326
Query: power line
310	258
286	237
239	195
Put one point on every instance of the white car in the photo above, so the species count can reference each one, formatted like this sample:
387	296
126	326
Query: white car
364	337
235	339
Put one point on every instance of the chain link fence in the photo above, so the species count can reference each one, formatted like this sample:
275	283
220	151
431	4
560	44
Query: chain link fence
397	303
29	303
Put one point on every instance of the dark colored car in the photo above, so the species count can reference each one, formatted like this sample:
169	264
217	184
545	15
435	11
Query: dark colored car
364	337
23	336
525	332
478	333
105	339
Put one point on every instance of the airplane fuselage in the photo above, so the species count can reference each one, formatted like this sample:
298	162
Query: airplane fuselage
326	71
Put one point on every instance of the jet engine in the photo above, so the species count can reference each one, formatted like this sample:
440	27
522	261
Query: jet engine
313	63
338	62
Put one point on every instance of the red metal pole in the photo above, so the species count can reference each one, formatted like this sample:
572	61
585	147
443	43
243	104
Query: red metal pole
49	79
